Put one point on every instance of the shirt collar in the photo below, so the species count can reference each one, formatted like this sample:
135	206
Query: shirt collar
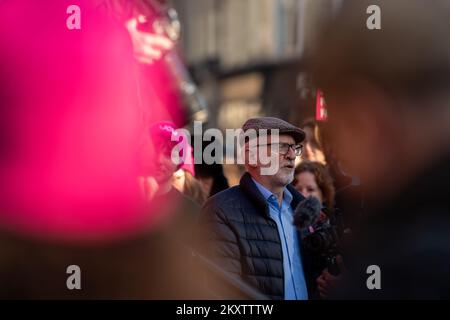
268	195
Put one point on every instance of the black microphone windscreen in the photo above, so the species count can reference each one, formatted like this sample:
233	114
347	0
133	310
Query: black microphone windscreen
307	213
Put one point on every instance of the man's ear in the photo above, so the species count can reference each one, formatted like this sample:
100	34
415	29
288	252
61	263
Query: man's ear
252	158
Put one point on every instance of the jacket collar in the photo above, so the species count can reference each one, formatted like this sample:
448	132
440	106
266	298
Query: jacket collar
251	191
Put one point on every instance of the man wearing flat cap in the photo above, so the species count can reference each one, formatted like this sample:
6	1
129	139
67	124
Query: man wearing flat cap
248	229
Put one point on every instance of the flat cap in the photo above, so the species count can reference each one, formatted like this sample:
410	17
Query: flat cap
274	123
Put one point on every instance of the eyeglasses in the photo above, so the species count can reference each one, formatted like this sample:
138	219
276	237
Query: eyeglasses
283	148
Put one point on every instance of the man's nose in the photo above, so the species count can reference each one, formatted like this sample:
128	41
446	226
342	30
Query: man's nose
291	154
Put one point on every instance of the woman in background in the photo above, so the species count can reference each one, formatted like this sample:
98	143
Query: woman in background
313	179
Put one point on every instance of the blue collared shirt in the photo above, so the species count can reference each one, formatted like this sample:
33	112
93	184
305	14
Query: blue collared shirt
294	277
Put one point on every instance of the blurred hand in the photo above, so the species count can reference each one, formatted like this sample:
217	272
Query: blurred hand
326	282
148	47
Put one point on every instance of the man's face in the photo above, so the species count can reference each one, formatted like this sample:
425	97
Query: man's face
281	165
285	174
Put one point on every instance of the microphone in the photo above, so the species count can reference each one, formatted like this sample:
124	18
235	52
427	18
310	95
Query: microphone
307	215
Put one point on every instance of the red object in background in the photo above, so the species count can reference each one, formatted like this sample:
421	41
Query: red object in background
321	107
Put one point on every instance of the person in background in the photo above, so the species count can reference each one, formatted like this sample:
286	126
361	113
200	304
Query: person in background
312	147
313	179
186	183
184	180
211	176
248	229
173	208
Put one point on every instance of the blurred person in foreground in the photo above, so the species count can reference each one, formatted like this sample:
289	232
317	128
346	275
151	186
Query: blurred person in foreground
388	95
71	120
248	229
